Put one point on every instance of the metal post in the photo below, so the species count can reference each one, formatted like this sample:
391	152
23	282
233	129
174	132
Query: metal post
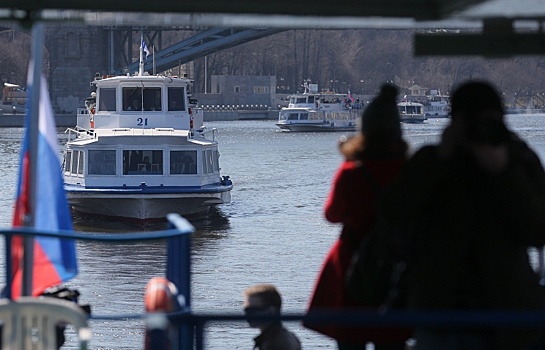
179	272
35	76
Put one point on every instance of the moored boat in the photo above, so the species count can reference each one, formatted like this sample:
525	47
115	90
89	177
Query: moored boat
13	99
313	111
140	151
437	105
411	112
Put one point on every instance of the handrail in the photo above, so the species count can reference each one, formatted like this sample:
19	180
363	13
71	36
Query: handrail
191	325
178	254
182	227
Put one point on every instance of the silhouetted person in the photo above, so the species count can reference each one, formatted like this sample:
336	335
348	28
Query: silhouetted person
472	204
265	300
379	151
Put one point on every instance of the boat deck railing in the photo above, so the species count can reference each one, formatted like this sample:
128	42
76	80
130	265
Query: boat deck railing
80	131
187	329
234	108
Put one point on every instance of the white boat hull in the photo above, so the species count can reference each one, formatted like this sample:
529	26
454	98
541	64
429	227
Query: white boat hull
322	127
145	206
416	119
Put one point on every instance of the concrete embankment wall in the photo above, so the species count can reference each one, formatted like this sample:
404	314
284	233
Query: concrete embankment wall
18	120
70	120
210	116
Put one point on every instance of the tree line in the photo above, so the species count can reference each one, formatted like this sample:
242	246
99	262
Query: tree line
359	60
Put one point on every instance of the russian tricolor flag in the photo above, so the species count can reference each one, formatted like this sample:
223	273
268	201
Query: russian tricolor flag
54	259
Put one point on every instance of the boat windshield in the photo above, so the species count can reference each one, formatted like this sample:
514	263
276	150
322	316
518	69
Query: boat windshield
142	162
106	99
176	99
410	109
138	98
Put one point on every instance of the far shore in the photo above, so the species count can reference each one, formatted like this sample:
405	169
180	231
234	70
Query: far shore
70	120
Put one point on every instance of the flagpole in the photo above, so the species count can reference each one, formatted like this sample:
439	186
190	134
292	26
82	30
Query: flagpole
141	65
35	73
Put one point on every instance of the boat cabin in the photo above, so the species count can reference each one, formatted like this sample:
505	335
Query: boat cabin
141	102
410	108
302	114
141	129
157	157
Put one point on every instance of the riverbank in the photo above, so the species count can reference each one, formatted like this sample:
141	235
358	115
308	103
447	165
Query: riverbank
69	120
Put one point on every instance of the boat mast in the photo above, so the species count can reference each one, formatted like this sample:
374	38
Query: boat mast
141	65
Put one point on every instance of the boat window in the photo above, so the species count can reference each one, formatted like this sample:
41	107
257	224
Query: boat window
152	99
106	99
311	99
293	116
210	161
315	116
80	162
176	101
67	161
132	98
183	162
216	160
74	169
303	116
101	162
142	162
410	109
204	163
301	100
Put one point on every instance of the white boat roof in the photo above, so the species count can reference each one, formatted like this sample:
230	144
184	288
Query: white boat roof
138	132
116	79
409	103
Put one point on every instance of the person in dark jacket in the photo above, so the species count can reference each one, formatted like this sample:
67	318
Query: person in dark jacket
352	202
265	300
472	206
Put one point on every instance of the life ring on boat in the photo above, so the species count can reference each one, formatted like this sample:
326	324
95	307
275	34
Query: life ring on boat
160	295
159	299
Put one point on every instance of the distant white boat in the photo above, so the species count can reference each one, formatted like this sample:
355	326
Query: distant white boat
13	99
437	105
140	151
313	111
411	112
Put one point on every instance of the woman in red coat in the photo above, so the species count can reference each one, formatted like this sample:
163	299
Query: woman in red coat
379	148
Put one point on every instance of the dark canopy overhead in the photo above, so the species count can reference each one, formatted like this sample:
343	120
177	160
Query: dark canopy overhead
446	27
418	9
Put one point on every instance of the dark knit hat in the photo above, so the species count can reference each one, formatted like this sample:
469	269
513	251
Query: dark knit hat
381	118
473	98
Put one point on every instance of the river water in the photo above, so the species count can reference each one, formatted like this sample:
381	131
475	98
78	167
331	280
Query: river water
273	231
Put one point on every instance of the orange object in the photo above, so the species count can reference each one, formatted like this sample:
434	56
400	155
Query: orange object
160	295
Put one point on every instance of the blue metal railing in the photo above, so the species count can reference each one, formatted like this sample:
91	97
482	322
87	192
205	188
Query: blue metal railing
177	266
189	328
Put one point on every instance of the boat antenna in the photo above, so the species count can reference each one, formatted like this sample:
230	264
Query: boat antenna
153	58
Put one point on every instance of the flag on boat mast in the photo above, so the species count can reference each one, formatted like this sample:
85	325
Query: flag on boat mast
350	96
40	201
145	48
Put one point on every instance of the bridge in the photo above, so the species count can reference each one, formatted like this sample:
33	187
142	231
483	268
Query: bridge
78	53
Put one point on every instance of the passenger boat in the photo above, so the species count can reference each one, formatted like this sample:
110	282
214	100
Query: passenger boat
140	151
437	105
13	99
411	112
313	111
